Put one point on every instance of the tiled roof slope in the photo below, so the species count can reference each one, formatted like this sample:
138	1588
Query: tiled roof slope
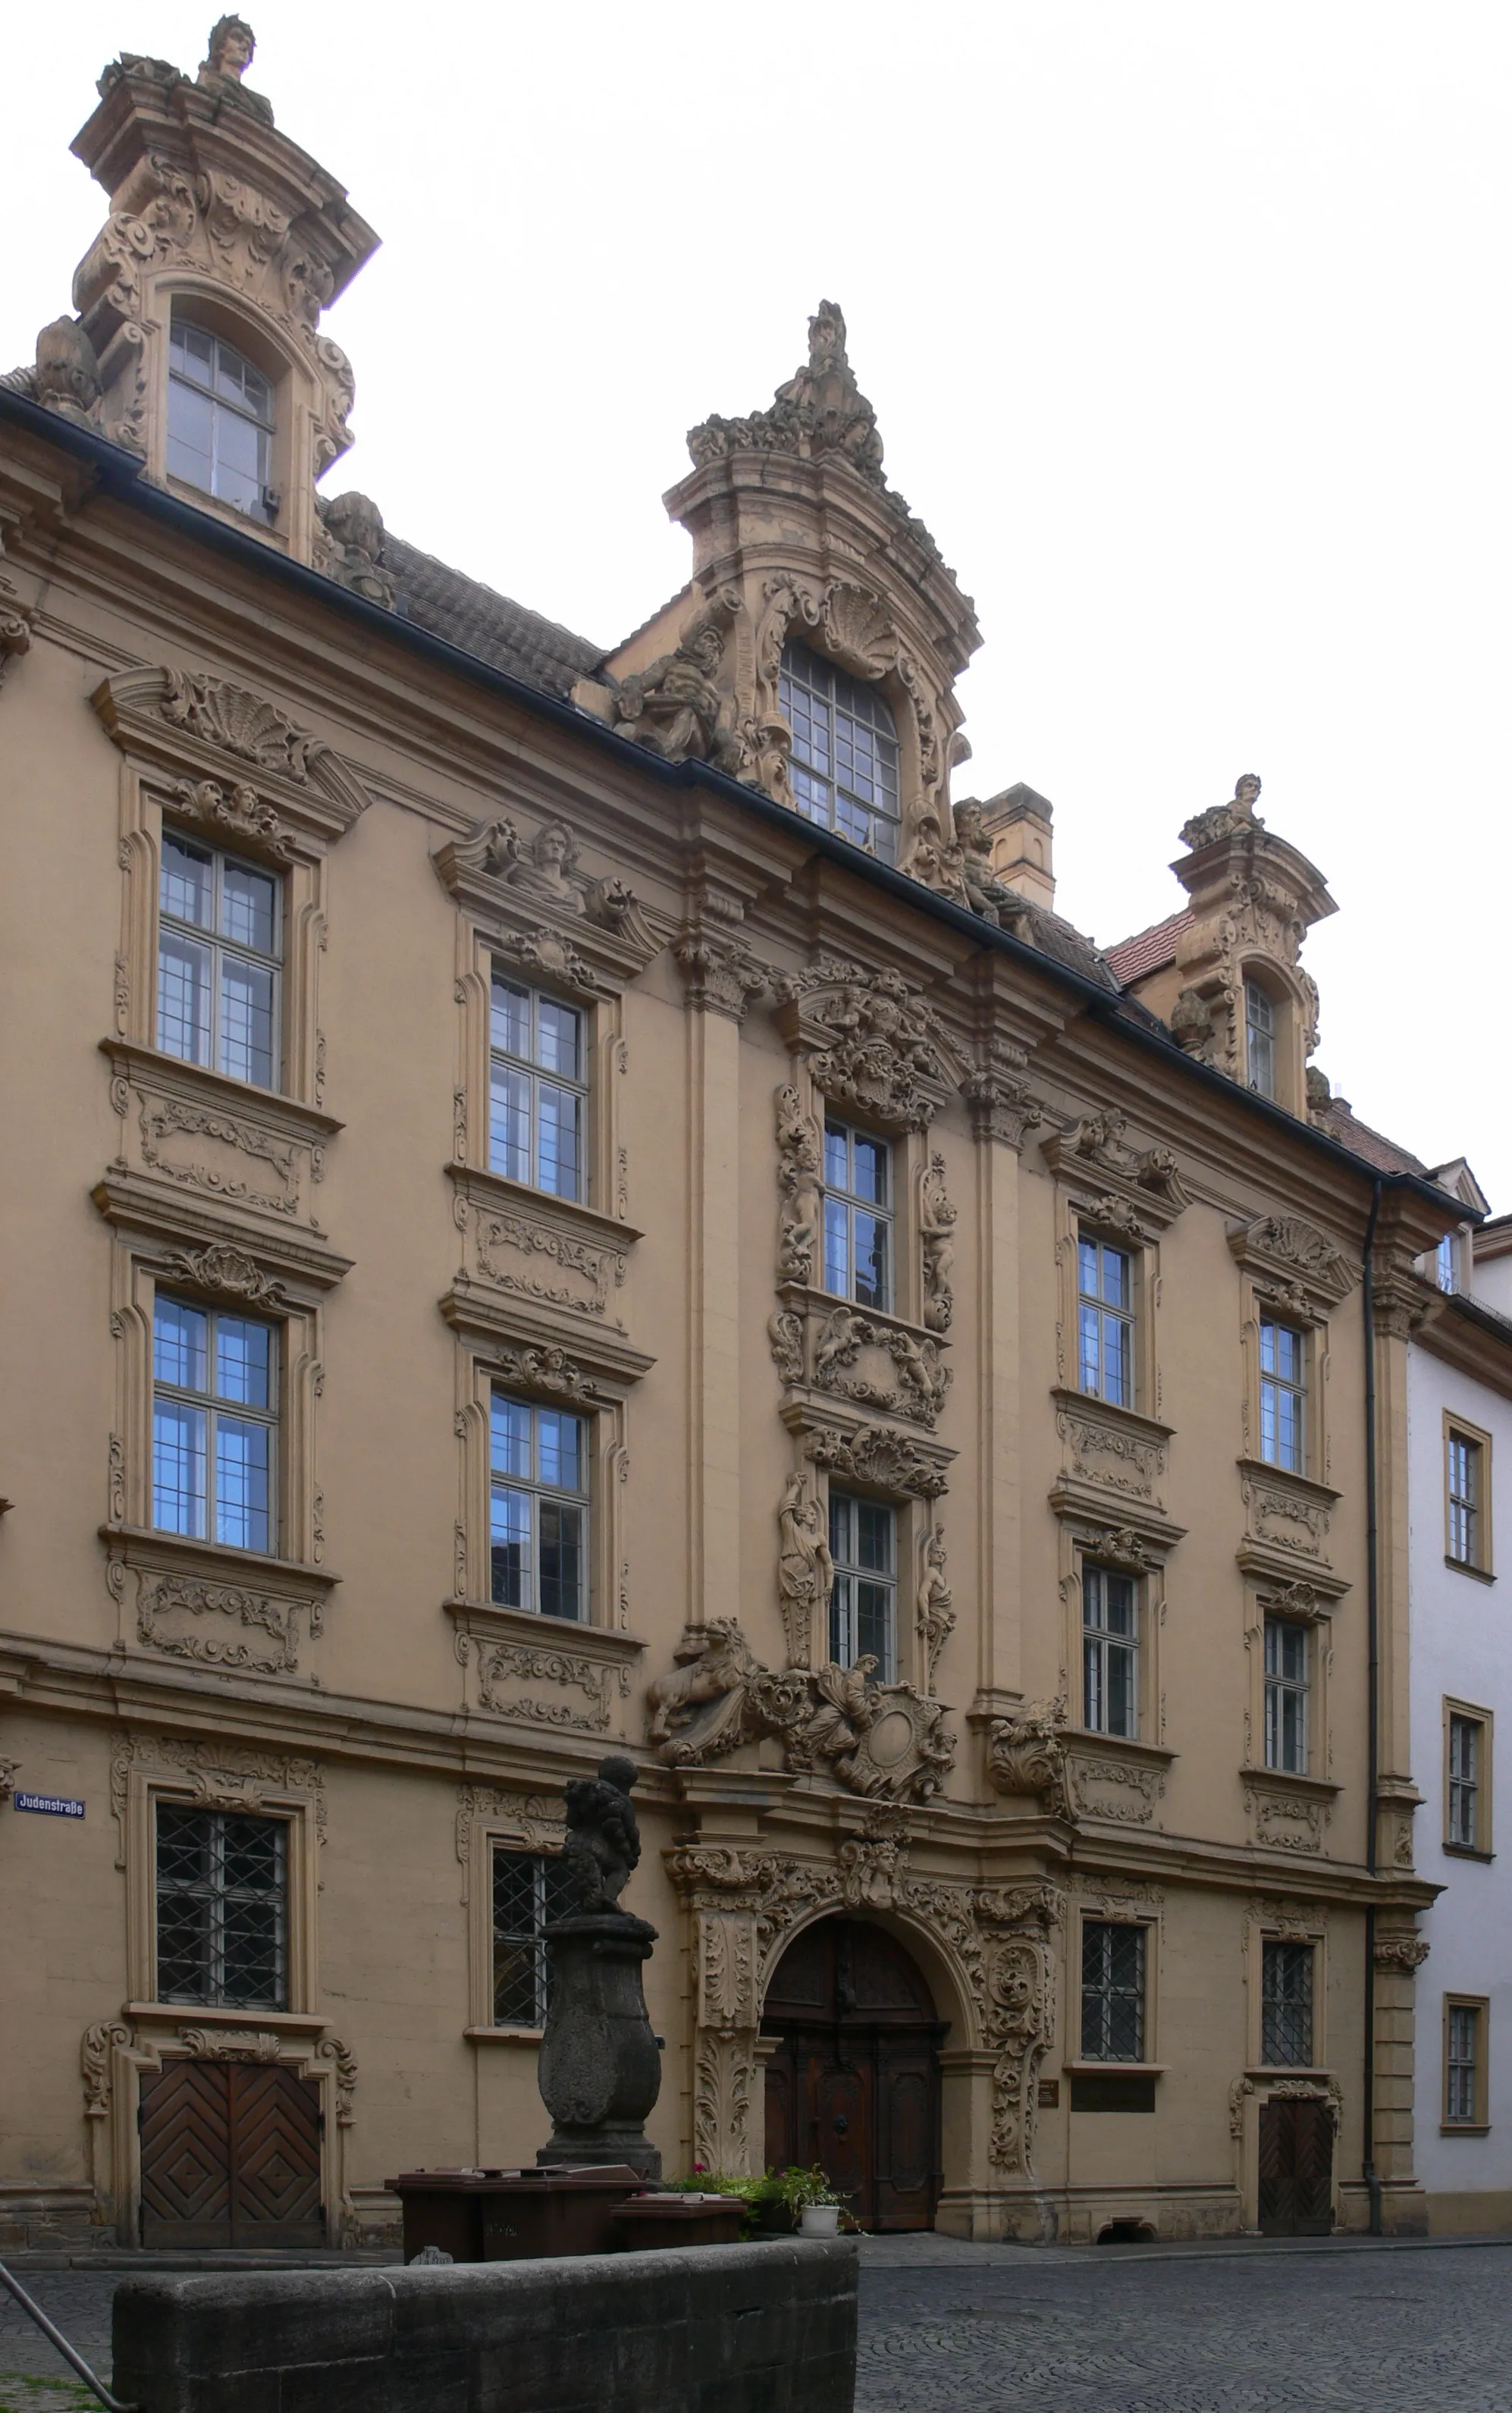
488	626
1344	1126
1148	951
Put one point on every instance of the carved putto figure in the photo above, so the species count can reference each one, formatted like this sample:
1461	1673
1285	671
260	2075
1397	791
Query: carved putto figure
603	1842
806	1569
68	373
354	524
799	1147
1222	820
937	1233
935	1613
713	1662
675	707
986	893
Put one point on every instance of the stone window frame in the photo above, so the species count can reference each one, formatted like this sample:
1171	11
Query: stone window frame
1483	1847
1300	1602
916	1514
593	1386
1115	1911
1120	1538
1481	2124
282	1594
1482	1566
1109	1220
232	770
1293	1014
1262	1927
488	1818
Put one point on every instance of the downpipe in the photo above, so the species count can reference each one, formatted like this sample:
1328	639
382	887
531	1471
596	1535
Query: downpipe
1372	2183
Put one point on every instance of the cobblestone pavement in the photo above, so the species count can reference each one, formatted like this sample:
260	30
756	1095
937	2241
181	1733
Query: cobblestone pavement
1322	2332
1004	2330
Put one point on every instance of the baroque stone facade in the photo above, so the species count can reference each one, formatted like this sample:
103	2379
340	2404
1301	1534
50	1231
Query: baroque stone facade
667	1231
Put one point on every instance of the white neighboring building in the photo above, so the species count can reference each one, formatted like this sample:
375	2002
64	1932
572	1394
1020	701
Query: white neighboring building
1459	1416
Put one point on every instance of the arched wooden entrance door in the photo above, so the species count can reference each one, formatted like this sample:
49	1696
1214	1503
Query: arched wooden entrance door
854	2083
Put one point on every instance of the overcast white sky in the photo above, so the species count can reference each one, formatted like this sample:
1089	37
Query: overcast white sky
1186	322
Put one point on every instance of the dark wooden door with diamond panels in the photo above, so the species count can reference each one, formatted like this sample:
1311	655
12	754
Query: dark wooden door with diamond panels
230	2156
854	2082
1295	2168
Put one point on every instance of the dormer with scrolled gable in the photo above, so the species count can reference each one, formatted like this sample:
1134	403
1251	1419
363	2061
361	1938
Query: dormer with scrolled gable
197	343
815	651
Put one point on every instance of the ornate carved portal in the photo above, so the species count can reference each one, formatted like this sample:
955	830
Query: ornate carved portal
990	1944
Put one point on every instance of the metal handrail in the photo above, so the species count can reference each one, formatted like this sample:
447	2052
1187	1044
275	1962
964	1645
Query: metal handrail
55	2337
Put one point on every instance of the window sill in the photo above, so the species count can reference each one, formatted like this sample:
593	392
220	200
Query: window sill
1107	1746
200	500
1463	1568
304	1121
1115	2068
1281	1780
144	1545
1132	1419
1464	2128
530	2037
1266	2073
1468	1852
497	1189
1323	1493
215	2014
525	1625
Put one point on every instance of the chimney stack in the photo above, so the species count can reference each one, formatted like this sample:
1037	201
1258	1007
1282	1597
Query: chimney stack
1018	823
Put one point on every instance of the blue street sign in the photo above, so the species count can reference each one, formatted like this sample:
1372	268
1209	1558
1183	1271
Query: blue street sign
51	1805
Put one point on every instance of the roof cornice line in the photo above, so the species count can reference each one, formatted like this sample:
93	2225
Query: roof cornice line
121	474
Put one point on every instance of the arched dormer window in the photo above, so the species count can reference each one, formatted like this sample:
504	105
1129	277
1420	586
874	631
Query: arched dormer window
844	762
220	420
1259	1040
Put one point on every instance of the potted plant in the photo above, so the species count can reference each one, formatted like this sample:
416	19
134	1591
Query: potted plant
809	2194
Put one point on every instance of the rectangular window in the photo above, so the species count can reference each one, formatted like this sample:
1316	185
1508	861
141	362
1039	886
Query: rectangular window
539	1520
530	1889
1444	1266
1464	2064
1282	1397
1466	1795
858	1216
1464	1498
538	1092
1286	2006
1110	1651
863	1602
1286	1690
215	1425
218	945
1112	1992
222	1915
1105	1281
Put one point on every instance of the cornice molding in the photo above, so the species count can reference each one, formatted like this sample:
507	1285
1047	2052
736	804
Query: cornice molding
269	786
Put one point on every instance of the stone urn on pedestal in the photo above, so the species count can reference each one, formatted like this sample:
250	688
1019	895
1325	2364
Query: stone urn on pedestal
599	2072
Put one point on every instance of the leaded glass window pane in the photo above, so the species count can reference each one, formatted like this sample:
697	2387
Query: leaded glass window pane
220	420
1282	1397
862	1616
539	1509
1462	2107
530	1889
1286	2004
1465	1500
215	1425
537	1126
1464	1783
1110	1651
1288	1650
843	767
218	954
1105	1321
1112	1992
858	1216
222	1909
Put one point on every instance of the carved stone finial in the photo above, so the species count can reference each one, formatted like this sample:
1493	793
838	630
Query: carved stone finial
603	1842
68	373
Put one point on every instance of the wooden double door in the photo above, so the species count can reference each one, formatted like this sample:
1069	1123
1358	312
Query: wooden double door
854	2082
230	2156
1296	2166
